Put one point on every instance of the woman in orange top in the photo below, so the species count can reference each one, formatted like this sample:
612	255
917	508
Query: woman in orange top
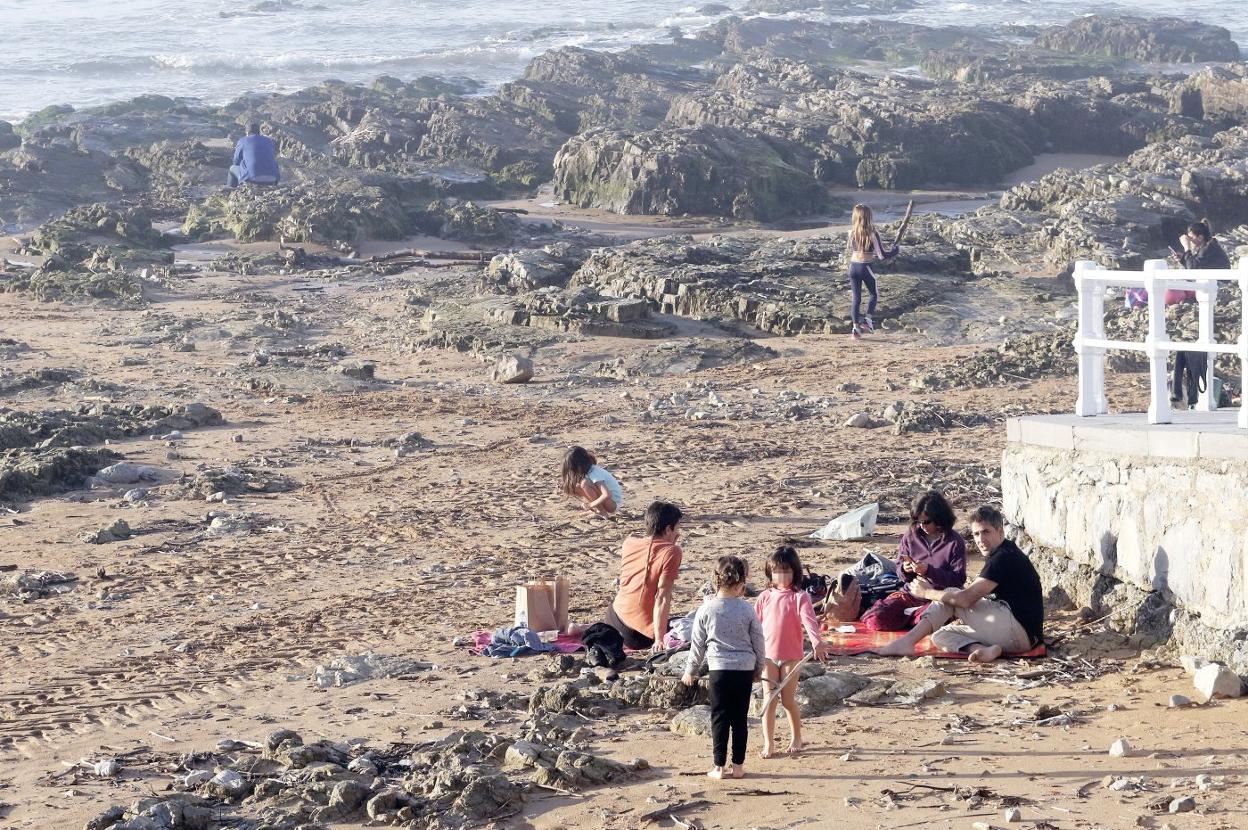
648	568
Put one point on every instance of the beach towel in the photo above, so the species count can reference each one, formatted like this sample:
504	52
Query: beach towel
493	644
863	641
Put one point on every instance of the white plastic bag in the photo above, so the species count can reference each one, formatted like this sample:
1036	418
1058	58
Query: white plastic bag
858	523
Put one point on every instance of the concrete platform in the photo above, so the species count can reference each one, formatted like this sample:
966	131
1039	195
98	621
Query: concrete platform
1192	435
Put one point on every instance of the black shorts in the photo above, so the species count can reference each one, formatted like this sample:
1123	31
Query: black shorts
632	638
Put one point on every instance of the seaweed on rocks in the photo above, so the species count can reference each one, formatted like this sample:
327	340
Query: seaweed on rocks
463	780
69	235
703	170
467	221
46	472
339	212
48	452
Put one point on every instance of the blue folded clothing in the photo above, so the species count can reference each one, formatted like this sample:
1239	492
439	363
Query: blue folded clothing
516	642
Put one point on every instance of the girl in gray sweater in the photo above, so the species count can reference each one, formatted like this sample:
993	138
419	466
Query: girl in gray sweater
728	636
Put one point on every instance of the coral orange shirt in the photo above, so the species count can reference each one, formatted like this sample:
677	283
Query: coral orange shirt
644	563
784	614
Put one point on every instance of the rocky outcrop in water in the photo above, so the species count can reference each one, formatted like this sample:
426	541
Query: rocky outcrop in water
1161	40
745	119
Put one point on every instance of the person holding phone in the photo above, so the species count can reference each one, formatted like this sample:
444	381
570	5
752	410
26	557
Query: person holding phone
930	550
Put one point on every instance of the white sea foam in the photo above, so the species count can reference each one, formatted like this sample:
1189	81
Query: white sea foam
87	52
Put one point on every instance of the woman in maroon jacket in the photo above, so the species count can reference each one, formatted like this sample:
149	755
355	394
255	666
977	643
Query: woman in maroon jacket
931	549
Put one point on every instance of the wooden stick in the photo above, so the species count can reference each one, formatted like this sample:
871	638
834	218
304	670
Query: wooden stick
792	674
670	809
905	223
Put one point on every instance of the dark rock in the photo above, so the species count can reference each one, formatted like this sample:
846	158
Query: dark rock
282	738
342	211
1117	215
468	222
8	138
51	471
1161	39
855	8
706	170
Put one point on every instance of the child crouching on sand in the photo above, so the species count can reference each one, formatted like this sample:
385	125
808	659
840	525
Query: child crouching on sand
727	634
784	609
581	477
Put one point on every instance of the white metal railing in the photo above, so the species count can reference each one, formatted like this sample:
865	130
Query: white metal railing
1091	342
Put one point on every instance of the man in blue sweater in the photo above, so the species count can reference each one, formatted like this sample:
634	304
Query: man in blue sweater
255	159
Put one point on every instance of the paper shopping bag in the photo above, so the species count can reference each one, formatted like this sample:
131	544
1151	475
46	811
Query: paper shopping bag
535	606
561	603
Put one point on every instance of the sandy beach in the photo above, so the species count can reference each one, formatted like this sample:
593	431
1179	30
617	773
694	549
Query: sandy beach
175	639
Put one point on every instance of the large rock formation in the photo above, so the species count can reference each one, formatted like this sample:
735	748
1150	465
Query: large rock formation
1216	93
1163	39
1118	215
704	170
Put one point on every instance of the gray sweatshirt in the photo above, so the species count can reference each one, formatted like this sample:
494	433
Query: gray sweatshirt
727	634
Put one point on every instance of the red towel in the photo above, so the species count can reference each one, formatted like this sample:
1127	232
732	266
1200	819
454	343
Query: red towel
864	641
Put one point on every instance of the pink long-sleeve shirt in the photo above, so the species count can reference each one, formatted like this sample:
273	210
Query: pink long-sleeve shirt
783	615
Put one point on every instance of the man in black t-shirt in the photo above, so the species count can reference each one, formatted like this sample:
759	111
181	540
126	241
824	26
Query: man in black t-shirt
1001	612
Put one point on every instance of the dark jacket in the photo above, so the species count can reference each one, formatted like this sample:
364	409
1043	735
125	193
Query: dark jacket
1209	257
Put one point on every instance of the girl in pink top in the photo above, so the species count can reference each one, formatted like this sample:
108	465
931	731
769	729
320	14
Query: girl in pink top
784	609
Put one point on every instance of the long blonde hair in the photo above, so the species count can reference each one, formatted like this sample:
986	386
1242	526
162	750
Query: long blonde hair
862	229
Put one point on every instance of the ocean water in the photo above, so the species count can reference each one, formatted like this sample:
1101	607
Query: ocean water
88	52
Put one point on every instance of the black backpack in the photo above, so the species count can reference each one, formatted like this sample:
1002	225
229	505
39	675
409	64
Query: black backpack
818	586
604	646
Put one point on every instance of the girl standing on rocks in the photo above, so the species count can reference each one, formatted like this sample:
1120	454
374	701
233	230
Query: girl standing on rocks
864	247
784	609
728	636
581	477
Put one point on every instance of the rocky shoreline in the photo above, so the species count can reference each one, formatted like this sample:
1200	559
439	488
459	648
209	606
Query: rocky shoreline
756	119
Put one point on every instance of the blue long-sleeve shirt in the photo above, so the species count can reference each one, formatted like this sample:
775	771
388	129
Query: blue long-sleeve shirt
256	157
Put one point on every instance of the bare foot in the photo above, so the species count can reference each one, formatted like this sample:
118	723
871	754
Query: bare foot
985	654
738	771
769	752
796	749
897	648
716	772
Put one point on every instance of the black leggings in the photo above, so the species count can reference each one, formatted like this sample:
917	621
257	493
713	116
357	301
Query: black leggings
730	709
860	274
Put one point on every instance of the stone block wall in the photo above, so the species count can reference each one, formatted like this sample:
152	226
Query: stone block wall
1158	542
